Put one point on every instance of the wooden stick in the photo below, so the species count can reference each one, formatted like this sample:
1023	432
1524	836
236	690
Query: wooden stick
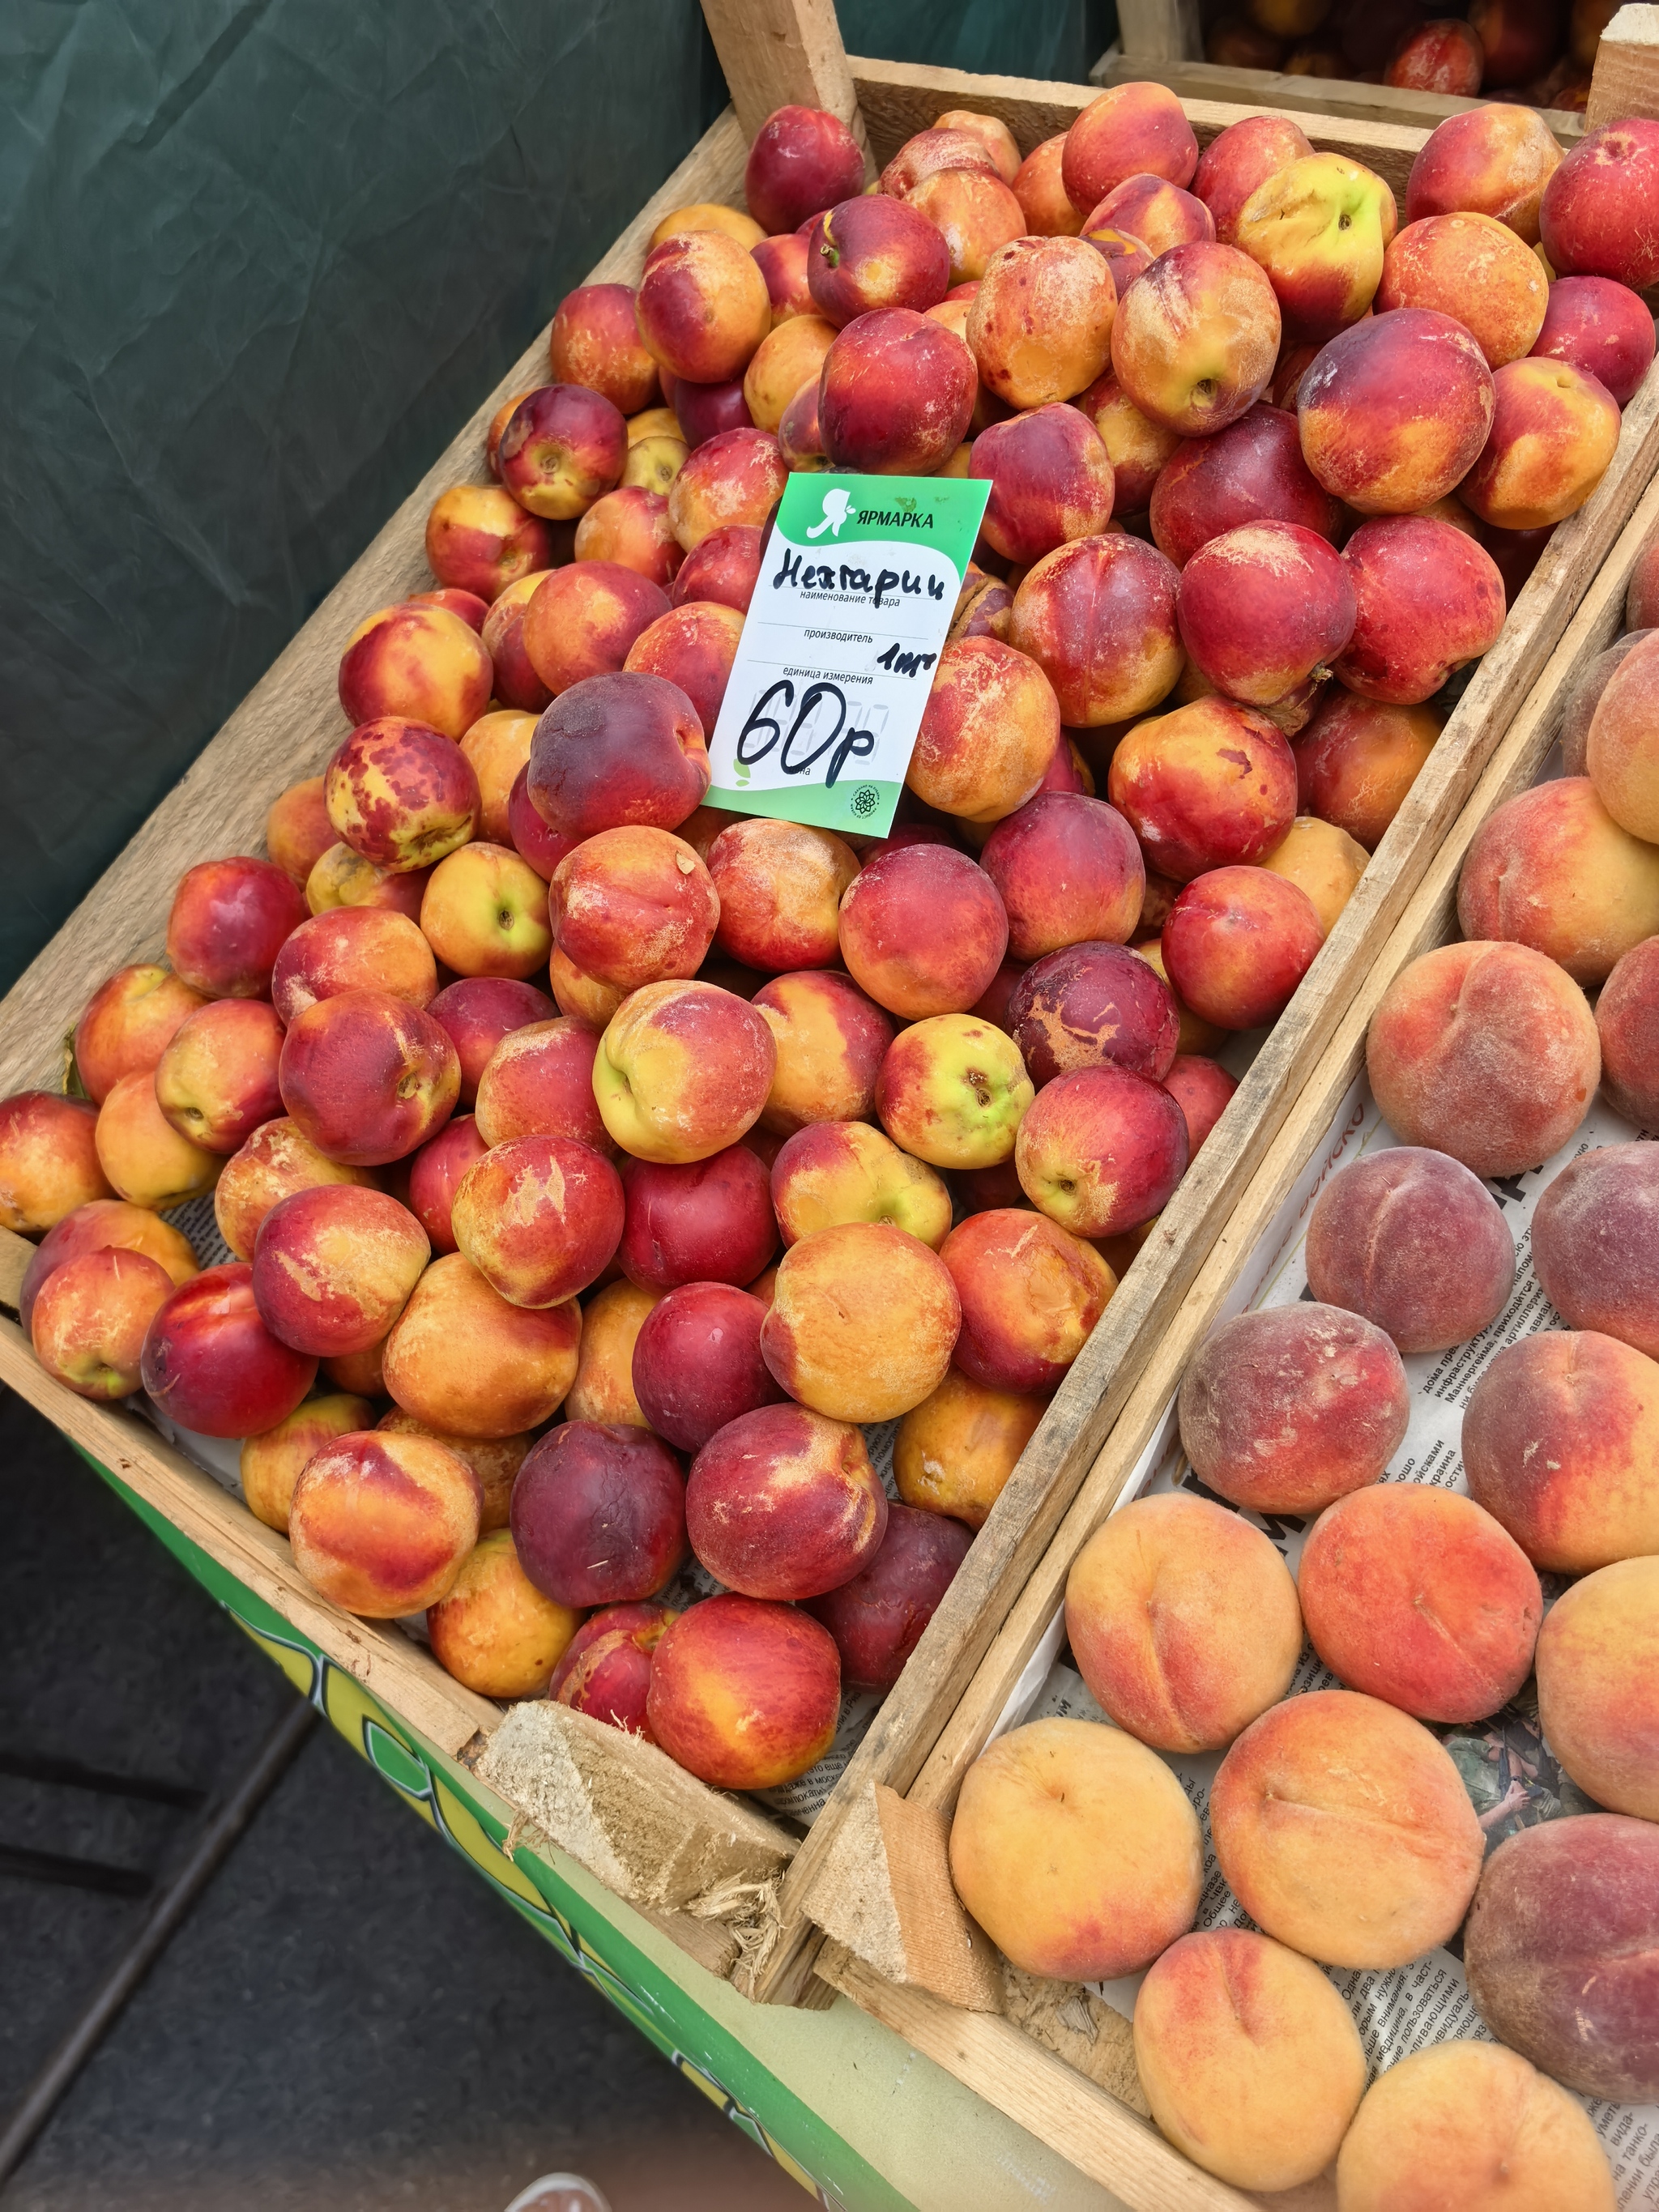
1160	30
782	53
1627	79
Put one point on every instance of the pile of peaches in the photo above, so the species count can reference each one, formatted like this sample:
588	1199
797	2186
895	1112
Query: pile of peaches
955	1072
1341	1823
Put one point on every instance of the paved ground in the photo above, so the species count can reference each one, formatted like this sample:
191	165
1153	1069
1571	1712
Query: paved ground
350	2021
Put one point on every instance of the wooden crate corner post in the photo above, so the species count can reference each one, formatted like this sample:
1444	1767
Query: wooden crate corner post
1160	30
1627	79
783	53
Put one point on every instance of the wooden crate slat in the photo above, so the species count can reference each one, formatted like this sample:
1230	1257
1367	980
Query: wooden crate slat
289	722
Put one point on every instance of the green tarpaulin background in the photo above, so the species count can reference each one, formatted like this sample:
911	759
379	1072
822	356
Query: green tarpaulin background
261	257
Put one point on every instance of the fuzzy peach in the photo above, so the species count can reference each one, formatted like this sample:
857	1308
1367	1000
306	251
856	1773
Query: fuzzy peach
1551	868
784	1504
582	620
610	1323
1396	410
1592	1244
1131	129
745	1693
1595	219
1100	1151
1494	160
137	1154
954	1453
1356	760
422	664
298	832
1194	340
211	1364
863	1322
896	395
517	683
922	929
1598	1662
1601	328
1253	471
1553	437
381	1524
1429	599
1074	1848
594	340
953	1091
461	1359
368	1077
227	925
683	1071
730	480
1621	748
1485	1051
831	1172
1039	326
830	1041
1237	160
1388	1872
272	1463
1414	1242
1287	1409
1183	1620
1098	618
1627	1021
1093	1005
344	878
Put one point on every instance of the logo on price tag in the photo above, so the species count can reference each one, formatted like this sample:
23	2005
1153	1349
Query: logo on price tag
856	592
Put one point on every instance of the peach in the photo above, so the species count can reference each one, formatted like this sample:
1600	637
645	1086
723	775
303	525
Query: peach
1098	618
604	1388
1599	328
127	1023
561	447
954	1453
211	1364
1387	1869
91	1316
693	647
953	1091
1429	600
1444	55
1560	1951
1474	269
1100	1151
1595	219
780	885
216	1081
1485	1051
105	1225
1416	1595
517	683
539	1217
434	1177
831	1172
401	794
334	1265
830	1041
730	480
1592	1244
800	440
1553	434
1494	160
418	664
1195	339
1285	1410
745	1693
863	1322
1551	868
382	1524
227	925
989	730
1319	228
1068	870
929	151
1620	747
528	835
368	1078
1414	1242
1597	1703
801	161
479	540
877	1619
483	913
342	878
922	929
1074	1848
1519	39
478	1011
463	1361
709	411
1093	1005
1396	410
1040	326
1264	608
781	1502
1040	188
641	536
1126	258
1051	481
1356	760
298	832
605	1668
994	134
139	1156
896	396
352	949
1471	2125
583	620
1030	1295
975	215
683	1071
873	253
789	358
1237	160
625	748
272	1463
1203	1090
629	528
1322	860
724	567
539	1082
707	215
360	1372
782	262
1155	211
702	306
1250	2057
1251	472
1193	1036
1182	1621
1130	129
696	1366
595	341
467	604
1136	447
583	997
493	1630
274	1162
1211	785
599	1514
1627	1021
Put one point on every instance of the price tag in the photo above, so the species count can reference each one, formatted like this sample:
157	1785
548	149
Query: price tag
838	651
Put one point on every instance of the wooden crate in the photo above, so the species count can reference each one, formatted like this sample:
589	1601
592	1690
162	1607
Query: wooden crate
1023	2070
775	50
1161	39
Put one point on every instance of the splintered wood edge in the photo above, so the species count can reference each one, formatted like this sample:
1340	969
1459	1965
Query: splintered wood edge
291	720
1041	2094
1429	920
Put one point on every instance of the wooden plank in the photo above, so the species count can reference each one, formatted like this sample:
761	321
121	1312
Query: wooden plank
291	721
15	1253
782	53
1626	82
406	1678
1030	1511
1429	919
1001	2063
1193	78
1160	30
